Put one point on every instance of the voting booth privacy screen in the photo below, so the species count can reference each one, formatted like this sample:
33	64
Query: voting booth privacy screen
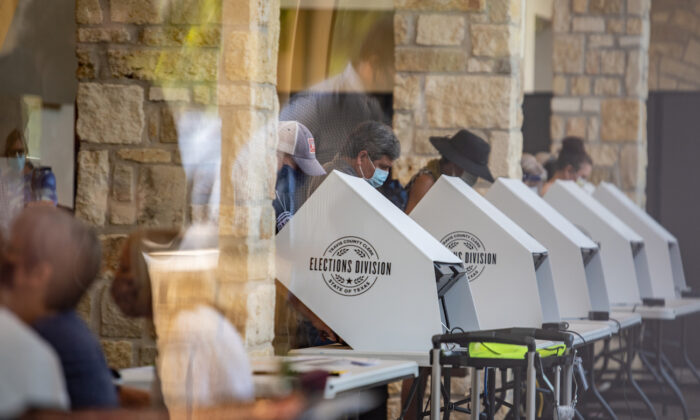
574	258
663	253
369	271
623	256
507	269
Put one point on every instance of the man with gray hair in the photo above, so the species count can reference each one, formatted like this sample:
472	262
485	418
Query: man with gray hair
50	261
369	153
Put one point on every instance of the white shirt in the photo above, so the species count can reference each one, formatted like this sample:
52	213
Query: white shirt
30	372
202	361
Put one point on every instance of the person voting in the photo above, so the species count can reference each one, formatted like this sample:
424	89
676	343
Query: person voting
368	271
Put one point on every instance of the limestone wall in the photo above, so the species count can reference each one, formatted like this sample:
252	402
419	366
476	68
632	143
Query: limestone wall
674	50
142	65
600	85
458	65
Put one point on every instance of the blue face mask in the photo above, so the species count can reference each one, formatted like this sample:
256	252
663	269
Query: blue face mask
17	163
379	176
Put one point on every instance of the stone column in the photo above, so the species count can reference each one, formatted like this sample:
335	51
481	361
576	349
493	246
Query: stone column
141	64
674	47
249	110
458	65
600	65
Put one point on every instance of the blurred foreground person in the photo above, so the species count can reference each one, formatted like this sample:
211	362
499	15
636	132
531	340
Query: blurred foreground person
369	153
465	155
573	164
534	174
202	361
65	255
296	164
30	373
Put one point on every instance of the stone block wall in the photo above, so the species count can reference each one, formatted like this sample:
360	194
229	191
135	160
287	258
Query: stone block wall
674	49
142	64
249	110
458	65
600	85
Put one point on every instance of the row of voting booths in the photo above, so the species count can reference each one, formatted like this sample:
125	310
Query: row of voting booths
536	289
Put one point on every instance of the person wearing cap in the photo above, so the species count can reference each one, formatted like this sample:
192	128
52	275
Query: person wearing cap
465	155
296	162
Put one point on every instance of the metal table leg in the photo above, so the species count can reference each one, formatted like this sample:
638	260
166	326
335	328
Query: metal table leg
531	386
422	374
662	371
435	389
475	393
632	341
567	386
684	349
491	401
592	386
517	390
447	393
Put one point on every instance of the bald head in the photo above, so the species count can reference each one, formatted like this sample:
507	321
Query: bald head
52	238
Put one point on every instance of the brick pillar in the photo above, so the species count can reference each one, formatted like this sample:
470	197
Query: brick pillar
458	65
141	64
600	65
249	110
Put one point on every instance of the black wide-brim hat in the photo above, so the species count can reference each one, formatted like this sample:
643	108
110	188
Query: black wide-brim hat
466	150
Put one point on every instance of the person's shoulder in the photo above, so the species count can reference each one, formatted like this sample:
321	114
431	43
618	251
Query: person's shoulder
23	349
424	180
17	335
66	330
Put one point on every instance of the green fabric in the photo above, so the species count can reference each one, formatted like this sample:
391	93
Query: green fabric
510	351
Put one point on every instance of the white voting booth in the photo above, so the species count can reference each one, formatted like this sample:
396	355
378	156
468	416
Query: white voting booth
369	271
624	260
507	269
574	258
664	258
663	254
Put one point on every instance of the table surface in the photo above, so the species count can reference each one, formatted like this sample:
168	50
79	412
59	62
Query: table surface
590	331
140	377
422	359
625	319
672	309
339	350
350	373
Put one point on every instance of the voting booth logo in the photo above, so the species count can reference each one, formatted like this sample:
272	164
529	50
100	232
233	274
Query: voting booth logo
350	266
471	250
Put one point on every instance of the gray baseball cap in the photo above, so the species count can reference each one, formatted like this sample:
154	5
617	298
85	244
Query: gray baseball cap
296	140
